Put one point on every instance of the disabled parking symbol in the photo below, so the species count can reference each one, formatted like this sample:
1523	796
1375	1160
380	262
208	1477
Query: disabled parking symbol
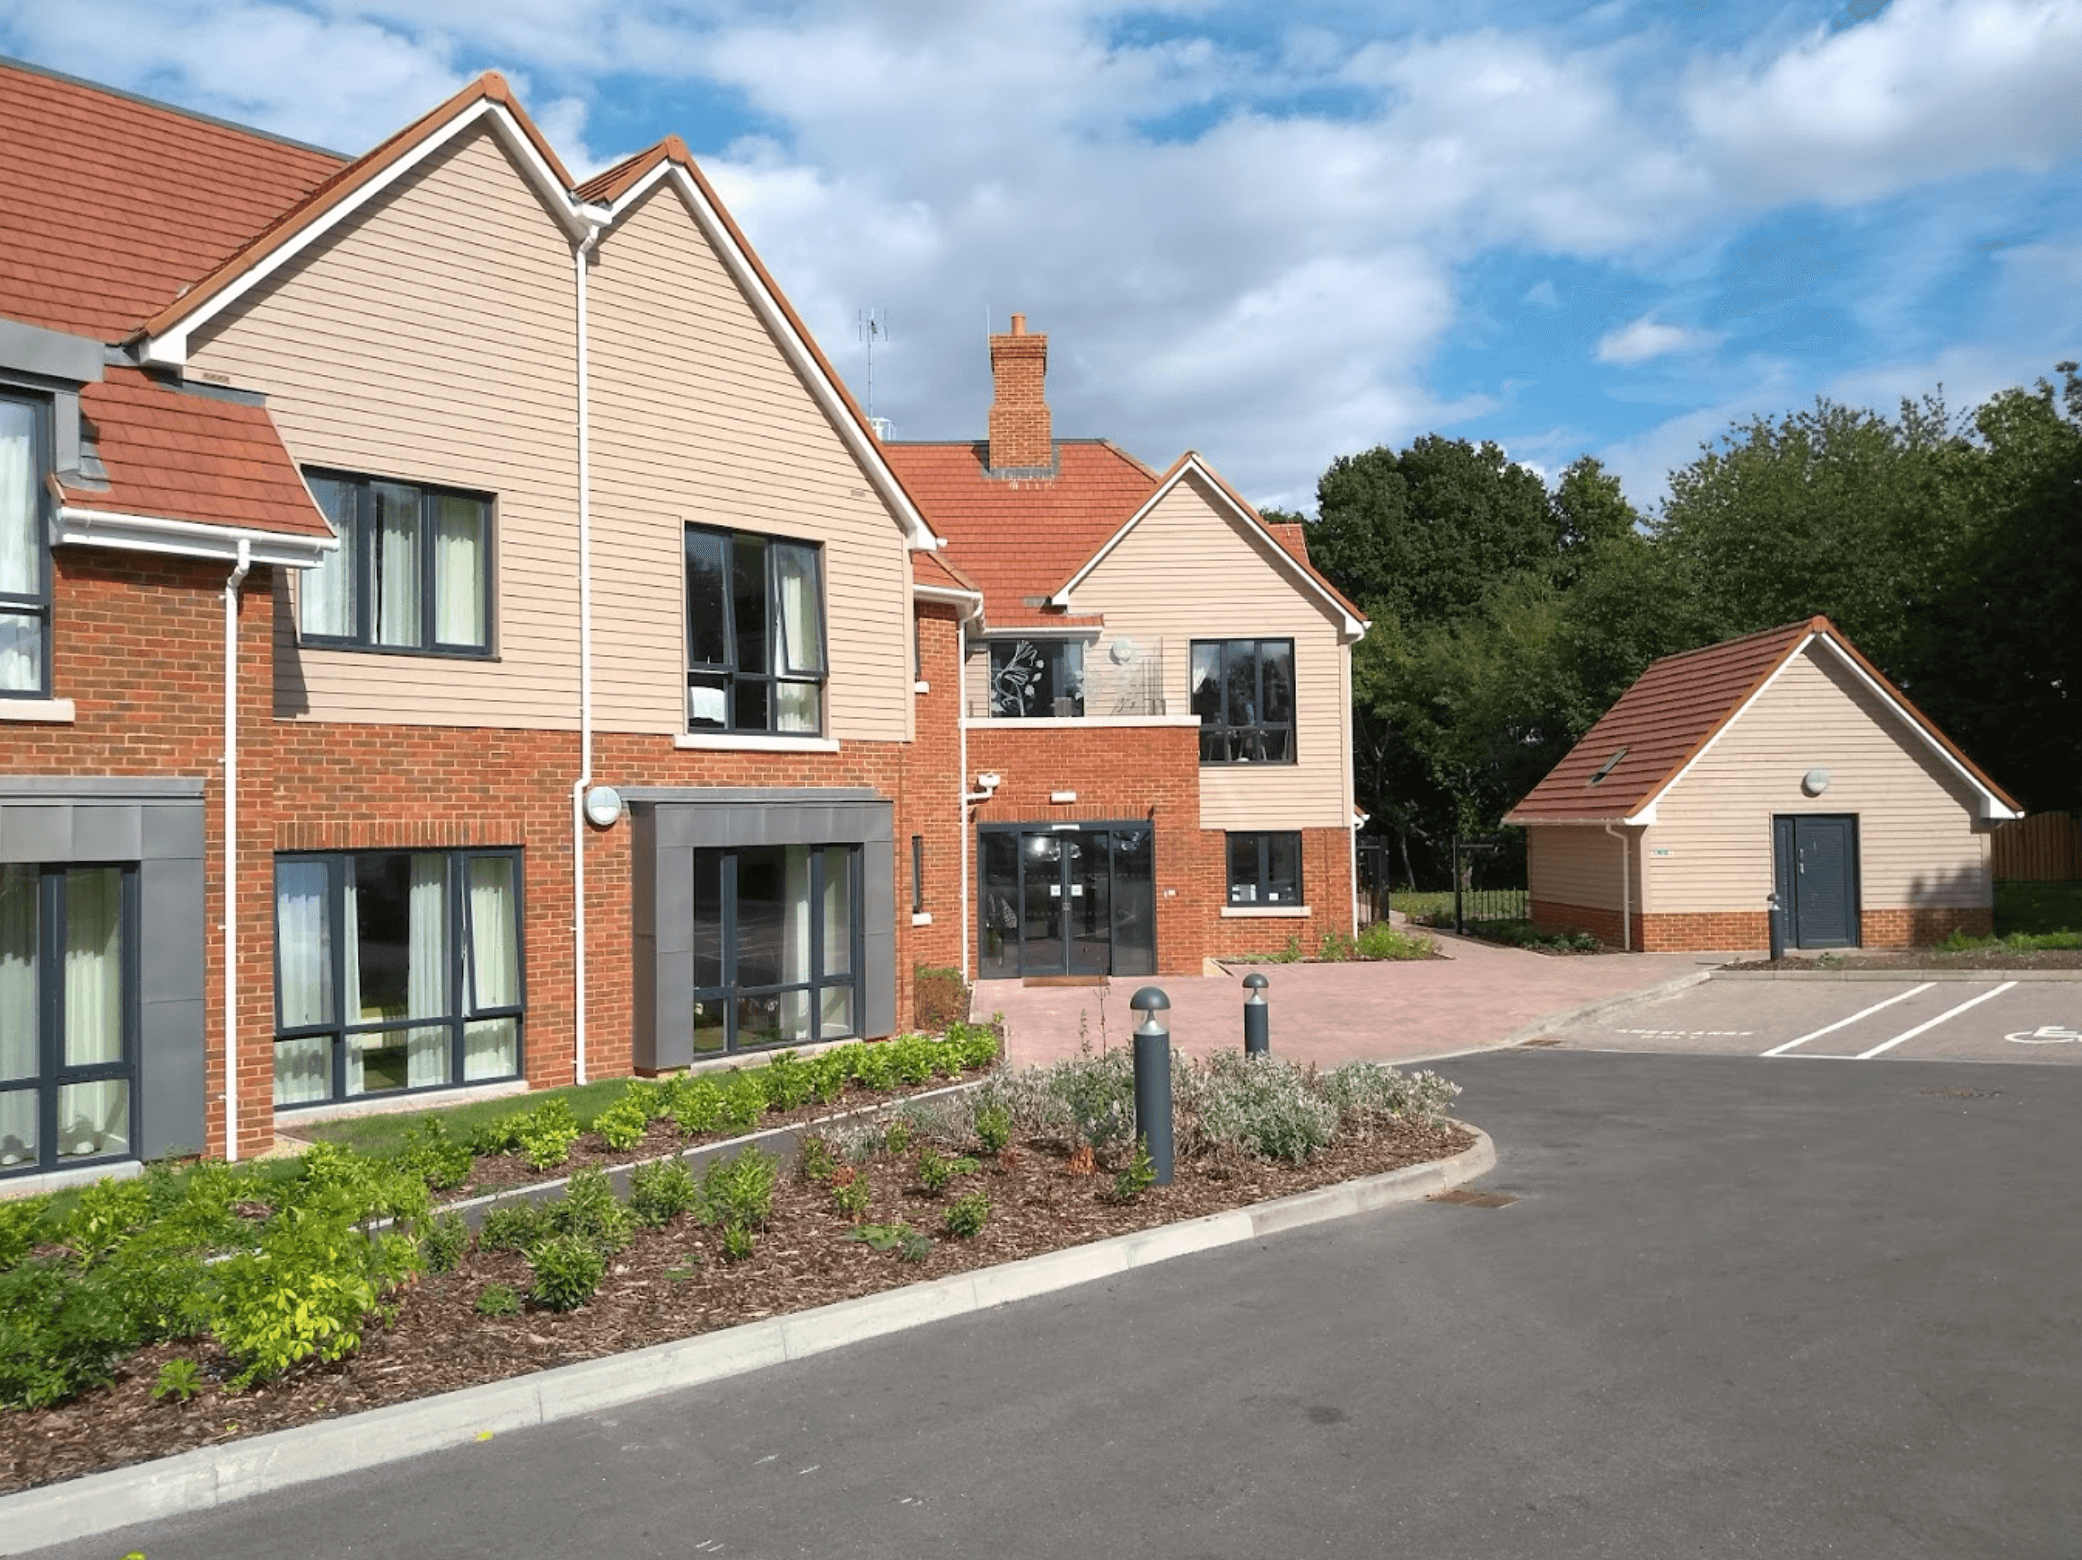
2045	1034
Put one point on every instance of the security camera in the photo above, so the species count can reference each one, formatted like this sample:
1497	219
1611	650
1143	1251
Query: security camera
991	781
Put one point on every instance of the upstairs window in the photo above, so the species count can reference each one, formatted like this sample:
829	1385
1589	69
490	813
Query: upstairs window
1243	692
25	558
755	633
1036	678
413	572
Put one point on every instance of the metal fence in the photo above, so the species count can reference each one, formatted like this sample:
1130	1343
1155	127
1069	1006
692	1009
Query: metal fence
1488	885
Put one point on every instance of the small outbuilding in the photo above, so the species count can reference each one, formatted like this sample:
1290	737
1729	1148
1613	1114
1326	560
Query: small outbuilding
1781	761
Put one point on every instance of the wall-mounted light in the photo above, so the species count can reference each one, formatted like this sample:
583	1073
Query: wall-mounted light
603	806
1815	782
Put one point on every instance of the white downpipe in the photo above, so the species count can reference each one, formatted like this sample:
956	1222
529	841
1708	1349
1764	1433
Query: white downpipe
579	253
231	848
961	786
1626	892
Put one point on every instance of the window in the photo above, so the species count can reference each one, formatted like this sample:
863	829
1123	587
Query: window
917	874
1036	678
777	945
395	970
755	634
413	571
1265	869
1243	692
25	566
68	1015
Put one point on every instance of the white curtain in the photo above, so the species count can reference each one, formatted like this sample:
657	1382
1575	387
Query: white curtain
93	966
491	1047
304	952
325	595
396	539
18	975
350	995
838	910
426	978
459	570
802	613
94	1118
795	915
17	1128
21	557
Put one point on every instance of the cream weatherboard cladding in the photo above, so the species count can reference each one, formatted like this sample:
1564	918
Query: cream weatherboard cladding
1917	846
1579	864
432	339
1189	570
698	417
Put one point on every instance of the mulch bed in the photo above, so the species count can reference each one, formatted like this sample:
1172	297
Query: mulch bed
1927	959
670	1283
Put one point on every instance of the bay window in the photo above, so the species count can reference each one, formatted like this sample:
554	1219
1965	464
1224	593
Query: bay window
1243	692
413	571
755	633
395	970
68	1015
777	945
25	571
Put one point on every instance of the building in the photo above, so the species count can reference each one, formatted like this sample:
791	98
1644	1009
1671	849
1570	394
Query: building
1155	701
1782	763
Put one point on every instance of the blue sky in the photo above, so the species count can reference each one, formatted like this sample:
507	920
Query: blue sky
1278	233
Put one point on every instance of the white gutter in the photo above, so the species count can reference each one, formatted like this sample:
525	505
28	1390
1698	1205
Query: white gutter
231	849
579	252
187	538
1626	892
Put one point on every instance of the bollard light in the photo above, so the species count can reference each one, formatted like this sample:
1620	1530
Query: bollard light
1257	1017
1153	1080
1776	915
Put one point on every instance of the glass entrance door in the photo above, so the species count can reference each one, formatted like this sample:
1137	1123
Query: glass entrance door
1056	901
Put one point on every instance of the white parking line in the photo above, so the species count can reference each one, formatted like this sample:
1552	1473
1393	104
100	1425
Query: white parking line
1826	1029
1910	1034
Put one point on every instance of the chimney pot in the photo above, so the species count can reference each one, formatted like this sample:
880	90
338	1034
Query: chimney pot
1019	324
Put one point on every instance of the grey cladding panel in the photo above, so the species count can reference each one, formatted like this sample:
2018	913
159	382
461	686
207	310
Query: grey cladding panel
112	831
171	930
170	1075
36	833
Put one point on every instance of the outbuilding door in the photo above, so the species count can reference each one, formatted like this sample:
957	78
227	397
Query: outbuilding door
1816	857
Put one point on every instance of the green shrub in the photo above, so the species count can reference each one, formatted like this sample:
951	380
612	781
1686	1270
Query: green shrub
738	1192
786	1082
179	1379
1096	1093
443	1238
744	1100
568	1269
1262	1104
914	1058
695	1104
874	1066
623	1124
306	1293
1139	1175
166	1287
816	1159
547	1135
21	1225
968	1215
513	1226
499	1300
61	1332
98	1217
431	1154
994	1128
1359	1089
897	1136
661	1192
1383	941
590	1210
939	998
936	1172
828	1071
850	1193
975	1045
737	1243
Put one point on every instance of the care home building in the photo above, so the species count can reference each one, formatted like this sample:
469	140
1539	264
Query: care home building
1784	763
458	633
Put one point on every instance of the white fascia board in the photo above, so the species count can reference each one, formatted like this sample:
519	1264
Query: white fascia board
856	438
1992	807
169	348
1047	631
185	538
1350	627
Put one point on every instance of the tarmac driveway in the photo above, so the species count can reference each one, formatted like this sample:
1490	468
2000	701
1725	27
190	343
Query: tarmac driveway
1739	1308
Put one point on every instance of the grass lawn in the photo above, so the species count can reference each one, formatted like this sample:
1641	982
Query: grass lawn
380	1135
2037	908
1437	906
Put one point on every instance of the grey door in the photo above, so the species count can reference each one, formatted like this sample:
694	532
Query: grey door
1066	901
1817	874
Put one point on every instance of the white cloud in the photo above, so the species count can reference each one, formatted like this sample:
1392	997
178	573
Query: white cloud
1639	340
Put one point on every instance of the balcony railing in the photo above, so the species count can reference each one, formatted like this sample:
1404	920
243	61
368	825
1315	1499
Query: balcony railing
1117	678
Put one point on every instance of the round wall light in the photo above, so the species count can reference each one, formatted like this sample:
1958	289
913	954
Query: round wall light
603	806
1815	782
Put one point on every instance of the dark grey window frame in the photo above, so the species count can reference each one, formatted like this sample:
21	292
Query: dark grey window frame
52	1074
355	547
1230	735
731	992
917	874
40	605
727	675
1262	878
459	1014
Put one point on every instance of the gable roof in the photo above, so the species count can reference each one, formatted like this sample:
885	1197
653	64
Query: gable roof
1676	710
188	472
110	204
1293	545
1019	538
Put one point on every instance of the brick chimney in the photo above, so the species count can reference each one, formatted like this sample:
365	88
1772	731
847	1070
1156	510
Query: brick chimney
1019	424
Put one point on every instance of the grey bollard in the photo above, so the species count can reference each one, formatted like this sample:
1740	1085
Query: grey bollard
1776	915
1153	1079
1257	1017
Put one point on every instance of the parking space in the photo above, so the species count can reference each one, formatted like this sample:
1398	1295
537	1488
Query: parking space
1983	1020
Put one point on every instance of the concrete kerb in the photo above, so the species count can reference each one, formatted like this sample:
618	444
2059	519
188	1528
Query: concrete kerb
216	1476
1900	974
1597	1009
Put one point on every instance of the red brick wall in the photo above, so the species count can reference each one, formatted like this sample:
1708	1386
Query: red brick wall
1921	928
1749	929
1326	883
931	801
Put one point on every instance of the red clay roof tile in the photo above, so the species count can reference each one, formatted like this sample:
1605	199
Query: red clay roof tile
109	206
184	456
